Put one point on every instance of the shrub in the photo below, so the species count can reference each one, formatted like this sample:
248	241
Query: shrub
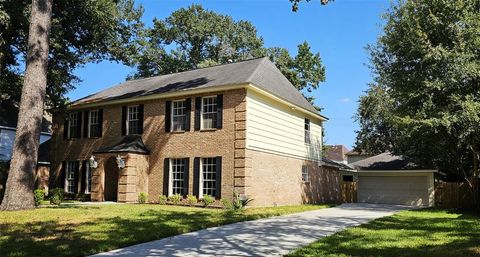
56	196
162	199
191	200
142	197
237	203
175	199
208	200
82	197
38	196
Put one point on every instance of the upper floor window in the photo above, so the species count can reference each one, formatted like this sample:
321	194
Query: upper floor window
74	126
133	120
179	115
305	177
94	124
307	131
209	112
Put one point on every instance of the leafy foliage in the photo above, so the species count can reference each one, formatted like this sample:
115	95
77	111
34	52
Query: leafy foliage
296	2
208	200
142	198
39	195
162	199
175	198
81	32
56	196
238	202
194	37
191	200
425	100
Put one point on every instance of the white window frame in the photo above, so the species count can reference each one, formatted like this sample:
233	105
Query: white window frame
182	116
70	124
88	178
69	176
212	112
308	134
172	178
90	116
128	120
202	179
305	174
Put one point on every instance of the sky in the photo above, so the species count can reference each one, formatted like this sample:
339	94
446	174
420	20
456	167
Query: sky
339	31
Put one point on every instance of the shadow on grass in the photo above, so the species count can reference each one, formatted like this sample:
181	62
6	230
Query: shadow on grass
428	232
55	238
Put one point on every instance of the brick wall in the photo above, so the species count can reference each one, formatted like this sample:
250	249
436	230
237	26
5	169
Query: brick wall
162	145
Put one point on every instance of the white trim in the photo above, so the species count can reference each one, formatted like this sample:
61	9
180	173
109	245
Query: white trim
171	114
127	132
88	169
397	171
214	113
300	157
90	120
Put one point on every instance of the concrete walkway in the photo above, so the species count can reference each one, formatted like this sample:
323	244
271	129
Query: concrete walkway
266	237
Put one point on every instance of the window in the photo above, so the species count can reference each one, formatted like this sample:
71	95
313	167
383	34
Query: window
133	120
307	131
71	167
88	180
209	112
178	115
177	169
73	125
347	178
305	177
208	176
94	124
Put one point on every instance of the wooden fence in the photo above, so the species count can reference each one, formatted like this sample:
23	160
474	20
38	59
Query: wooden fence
453	195
349	192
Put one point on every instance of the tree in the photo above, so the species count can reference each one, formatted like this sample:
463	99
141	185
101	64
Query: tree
199	38
425	99
296	2
81	32
19	193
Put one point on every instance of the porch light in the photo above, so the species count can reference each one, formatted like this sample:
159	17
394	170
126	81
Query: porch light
92	162
120	162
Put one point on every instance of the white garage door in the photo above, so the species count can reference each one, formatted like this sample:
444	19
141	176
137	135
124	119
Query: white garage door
412	190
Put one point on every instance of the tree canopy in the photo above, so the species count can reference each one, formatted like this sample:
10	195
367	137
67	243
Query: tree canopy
194	37
81	32
424	102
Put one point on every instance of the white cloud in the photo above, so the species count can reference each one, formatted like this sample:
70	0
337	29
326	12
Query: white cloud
345	100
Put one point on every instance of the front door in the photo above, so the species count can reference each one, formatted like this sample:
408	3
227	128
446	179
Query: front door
111	180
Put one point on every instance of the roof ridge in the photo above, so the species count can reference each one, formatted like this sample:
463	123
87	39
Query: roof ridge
249	79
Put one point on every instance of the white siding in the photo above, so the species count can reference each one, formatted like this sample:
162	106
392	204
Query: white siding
7	136
277	128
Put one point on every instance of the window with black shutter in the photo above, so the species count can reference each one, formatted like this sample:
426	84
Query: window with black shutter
134	120
210	176
74	125
94	124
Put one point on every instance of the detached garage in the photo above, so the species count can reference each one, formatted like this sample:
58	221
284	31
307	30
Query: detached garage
389	179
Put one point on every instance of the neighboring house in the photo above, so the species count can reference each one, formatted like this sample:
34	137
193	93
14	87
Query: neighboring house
355	156
337	153
240	126
390	179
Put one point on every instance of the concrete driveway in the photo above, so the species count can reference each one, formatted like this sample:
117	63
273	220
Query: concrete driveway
266	237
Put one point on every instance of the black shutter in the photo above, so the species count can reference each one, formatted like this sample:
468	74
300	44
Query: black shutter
140	114
124	120
76	175
63	172
188	110
65	127
79	127
219	111
166	175
85	124
186	175
196	176
100	123
168	115
83	181
218	177
198	106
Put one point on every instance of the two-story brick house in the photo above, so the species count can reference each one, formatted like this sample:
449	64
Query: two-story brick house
239	126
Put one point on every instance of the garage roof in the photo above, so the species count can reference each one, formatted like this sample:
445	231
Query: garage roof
385	161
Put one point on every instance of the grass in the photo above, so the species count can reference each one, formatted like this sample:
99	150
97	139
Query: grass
74	230
426	233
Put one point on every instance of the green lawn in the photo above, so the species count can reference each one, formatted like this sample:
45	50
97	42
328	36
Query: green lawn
73	230
425	233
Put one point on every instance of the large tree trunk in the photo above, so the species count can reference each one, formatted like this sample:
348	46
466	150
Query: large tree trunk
20	184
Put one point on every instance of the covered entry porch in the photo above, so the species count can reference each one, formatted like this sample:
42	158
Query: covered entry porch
120	171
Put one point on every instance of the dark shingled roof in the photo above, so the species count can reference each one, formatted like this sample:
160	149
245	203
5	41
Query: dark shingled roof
330	163
260	72
384	161
128	144
336	152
